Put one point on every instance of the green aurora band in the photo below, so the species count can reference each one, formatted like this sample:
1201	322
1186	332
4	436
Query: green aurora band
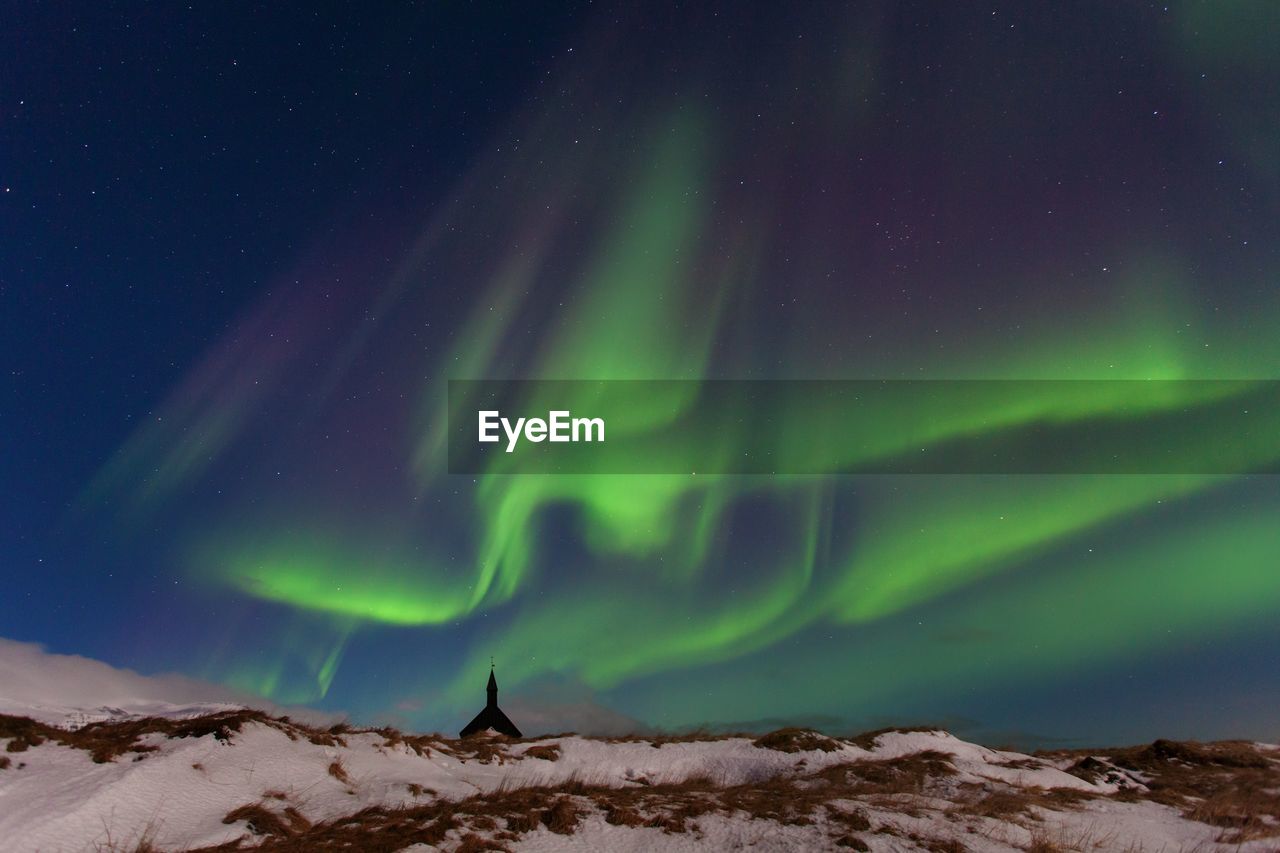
656	581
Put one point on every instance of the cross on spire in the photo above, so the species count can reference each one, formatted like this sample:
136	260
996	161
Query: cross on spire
491	717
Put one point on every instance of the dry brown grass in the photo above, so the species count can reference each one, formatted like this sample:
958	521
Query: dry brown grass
619	815
420	744
1024	763
1001	804
1007	803
1233	785
472	843
796	740
108	740
943	845
263	821
337	771
143	842
547	752
1041	844
380	829
908	774
1242	814
486	748
505	814
561	817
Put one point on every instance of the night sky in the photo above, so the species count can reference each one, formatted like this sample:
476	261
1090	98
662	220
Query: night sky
243	249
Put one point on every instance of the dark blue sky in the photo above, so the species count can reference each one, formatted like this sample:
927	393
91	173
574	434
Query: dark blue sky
162	163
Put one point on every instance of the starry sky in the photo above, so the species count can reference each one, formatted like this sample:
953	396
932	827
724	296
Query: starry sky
243	251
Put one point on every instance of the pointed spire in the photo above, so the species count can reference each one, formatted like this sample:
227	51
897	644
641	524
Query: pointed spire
491	717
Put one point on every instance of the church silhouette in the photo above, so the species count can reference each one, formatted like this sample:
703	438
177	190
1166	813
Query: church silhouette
491	717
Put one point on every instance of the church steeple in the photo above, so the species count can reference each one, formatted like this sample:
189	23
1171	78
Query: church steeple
491	717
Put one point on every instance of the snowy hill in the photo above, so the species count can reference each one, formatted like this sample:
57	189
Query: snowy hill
74	717
186	779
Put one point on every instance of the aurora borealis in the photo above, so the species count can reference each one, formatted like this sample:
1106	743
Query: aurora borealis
234	320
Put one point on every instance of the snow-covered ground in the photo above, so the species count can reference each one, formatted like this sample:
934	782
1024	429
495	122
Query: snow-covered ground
179	788
74	717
